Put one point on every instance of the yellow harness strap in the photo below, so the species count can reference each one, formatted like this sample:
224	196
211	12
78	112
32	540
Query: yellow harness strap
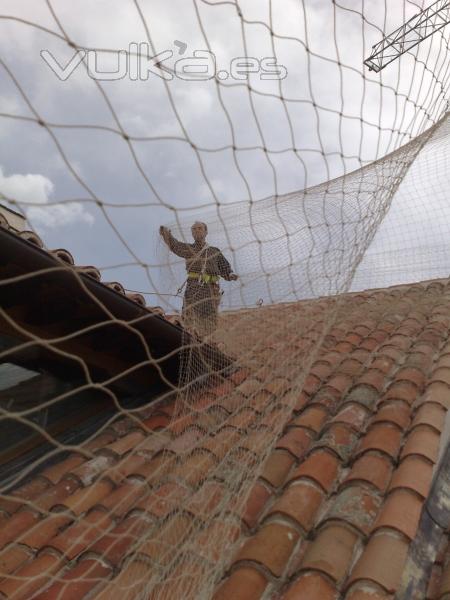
204	277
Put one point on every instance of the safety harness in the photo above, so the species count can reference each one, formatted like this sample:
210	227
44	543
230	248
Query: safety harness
201	277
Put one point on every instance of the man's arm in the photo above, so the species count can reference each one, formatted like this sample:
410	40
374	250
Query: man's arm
225	269
179	248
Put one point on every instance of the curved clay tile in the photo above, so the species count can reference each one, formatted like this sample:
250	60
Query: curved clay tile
32	237
116	286
138	298
91	271
63	255
174	319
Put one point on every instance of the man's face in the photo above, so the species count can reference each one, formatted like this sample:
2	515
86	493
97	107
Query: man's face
198	232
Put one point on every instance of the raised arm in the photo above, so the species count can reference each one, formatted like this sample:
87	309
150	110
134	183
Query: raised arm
179	248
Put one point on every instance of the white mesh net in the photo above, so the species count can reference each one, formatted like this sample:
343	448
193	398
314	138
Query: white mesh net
117	476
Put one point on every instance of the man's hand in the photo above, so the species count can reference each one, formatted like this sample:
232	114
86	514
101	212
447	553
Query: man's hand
233	276
164	232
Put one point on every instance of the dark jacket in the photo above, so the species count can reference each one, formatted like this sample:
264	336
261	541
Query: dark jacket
201	258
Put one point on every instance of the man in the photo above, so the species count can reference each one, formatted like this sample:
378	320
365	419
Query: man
204	265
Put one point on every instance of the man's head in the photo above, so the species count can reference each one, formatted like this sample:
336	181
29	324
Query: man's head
199	231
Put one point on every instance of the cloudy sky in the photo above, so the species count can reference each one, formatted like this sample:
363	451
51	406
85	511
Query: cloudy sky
97	165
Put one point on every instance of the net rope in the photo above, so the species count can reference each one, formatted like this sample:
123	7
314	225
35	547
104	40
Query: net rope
151	503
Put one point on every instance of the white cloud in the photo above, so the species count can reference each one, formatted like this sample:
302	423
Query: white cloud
34	188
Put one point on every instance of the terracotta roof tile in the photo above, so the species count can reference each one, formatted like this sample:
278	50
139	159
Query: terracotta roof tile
116	543
12	502
185	442
129	465
277	467
373	468
392	352
363	394
244	583
221	442
156	421
195	468
438	392
17	524
382	363
360	354
271	546
31	577
296	400
350	367
353	415
320	466
206	500
382	561
383	437
441	374
402	390
339	438
12	557
255	441
420	360
56	472
278	386
124	497
340	382
249	387
322	370
76	538
414	473
422	440
243	419
130	581
430	414
223	531
159	545
374	378
311	586
356	506
84	499
78	581
40	533
300	501
255	504
99	441
367	591
413	375
311	384
370	343
311	418
296	441
163	500
393	411
88	471
331	552
401	511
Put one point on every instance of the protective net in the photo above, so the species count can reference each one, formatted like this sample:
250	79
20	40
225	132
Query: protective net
134	430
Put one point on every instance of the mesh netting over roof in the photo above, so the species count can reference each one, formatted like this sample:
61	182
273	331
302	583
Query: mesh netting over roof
324	179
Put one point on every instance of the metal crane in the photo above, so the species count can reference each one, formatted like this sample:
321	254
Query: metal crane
411	33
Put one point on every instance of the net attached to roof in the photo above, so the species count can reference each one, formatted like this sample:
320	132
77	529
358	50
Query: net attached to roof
151	501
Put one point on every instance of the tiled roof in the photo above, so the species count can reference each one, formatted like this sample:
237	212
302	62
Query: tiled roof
336	504
66	257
